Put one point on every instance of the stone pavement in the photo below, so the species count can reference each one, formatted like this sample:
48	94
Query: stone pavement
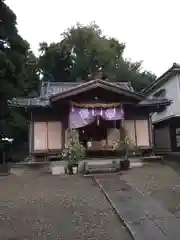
159	181
144	216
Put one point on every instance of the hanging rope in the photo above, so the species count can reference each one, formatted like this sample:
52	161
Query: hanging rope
95	105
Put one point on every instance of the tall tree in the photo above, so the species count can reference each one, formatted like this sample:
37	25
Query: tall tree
83	51
14	75
30	76
56	59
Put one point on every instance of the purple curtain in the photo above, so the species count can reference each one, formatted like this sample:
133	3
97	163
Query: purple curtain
80	117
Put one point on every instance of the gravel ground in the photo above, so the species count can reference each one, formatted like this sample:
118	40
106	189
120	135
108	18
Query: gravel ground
159	181
54	207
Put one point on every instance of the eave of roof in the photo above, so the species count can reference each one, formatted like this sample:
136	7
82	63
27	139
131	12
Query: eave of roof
94	84
163	78
28	102
46	102
160	102
50	89
42	103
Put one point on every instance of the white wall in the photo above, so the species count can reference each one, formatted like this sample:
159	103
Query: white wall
172	87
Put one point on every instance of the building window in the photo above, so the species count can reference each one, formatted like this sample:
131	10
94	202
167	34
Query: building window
178	137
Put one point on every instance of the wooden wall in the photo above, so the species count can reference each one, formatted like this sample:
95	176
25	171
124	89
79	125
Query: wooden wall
49	129
47	136
139	132
162	139
113	135
166	135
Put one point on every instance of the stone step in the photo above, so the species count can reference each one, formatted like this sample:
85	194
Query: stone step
152	158
90	167
101	170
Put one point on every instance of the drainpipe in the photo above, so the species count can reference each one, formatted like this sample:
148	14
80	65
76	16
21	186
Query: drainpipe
179	85
31	136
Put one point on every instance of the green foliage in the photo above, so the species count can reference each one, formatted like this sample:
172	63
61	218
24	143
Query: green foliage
75	150
30	76
17	75
84	51
56	60
126	146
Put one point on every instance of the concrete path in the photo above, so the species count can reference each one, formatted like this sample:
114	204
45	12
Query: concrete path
144	216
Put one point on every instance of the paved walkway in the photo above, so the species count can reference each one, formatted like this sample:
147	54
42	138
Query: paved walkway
145	217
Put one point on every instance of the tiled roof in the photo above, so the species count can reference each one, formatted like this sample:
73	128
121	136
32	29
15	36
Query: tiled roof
52	88
49	89
162	79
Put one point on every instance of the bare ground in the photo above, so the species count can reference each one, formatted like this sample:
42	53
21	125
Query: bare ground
53	207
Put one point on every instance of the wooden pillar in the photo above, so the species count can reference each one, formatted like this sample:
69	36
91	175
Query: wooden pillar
122	131
135	131
150	130
31	136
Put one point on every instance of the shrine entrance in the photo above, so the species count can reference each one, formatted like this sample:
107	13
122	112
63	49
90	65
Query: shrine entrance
93	132
100	137
98	127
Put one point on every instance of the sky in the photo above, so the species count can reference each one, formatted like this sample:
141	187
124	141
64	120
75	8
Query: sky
150	28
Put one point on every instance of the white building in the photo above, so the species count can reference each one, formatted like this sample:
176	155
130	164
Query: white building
166	122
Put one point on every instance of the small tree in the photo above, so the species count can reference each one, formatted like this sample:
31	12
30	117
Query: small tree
74	152
127	146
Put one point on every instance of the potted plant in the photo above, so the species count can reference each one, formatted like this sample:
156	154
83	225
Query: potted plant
126	146
74	153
